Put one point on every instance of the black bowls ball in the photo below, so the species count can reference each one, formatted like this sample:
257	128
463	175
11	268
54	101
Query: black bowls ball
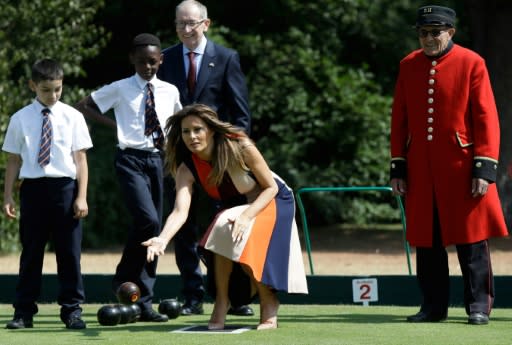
170	307
127	314
135	312
109	315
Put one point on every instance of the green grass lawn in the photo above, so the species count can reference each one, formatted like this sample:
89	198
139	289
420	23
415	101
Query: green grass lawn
298	324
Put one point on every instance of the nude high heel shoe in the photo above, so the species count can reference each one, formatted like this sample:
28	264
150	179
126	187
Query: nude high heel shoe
215	326
268	324
268	312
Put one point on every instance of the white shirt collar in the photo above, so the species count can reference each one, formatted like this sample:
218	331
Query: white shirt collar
40	106
142	82
199	49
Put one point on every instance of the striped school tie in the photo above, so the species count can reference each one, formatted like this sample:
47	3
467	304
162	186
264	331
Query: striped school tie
152	124
46	139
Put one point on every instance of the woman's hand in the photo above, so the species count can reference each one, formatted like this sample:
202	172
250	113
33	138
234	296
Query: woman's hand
239	227
156	246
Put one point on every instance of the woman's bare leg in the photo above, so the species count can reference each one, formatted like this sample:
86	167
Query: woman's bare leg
269	305
223	267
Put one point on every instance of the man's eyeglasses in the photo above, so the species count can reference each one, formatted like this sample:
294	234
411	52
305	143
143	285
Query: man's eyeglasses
434	32
190	23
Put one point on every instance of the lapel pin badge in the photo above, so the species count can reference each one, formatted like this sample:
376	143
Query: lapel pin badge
211	64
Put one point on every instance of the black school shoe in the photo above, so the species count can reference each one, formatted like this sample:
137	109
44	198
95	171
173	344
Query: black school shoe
426	317
152	316
243	310
75	322
478	318
19	322
192	309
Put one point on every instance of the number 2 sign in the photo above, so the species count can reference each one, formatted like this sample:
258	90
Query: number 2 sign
365	290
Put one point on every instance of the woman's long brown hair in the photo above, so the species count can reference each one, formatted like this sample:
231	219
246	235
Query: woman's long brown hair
229	142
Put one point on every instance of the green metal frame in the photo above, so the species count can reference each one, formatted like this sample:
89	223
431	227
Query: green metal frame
348	189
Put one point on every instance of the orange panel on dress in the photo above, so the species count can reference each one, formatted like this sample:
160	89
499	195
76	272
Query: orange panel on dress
255	250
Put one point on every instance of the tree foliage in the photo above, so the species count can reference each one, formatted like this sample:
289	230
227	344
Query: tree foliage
320	116
316	121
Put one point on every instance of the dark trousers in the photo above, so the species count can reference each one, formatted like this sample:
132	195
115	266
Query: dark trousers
433	275
46	210
140	175
187	260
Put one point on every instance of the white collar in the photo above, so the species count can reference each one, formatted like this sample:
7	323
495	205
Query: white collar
199	49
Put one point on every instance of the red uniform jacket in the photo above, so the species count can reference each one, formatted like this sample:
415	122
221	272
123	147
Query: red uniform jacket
444	132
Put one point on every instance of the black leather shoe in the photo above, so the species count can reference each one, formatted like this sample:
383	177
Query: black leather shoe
152	316
19	322
192	309
243	310
426	317
478	318
75	322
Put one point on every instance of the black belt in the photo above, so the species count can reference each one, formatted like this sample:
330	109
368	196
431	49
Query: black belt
141	153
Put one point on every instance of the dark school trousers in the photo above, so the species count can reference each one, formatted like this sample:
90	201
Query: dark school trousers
140	175
433	275
46	211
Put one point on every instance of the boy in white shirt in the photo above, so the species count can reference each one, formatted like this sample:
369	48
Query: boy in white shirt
47	142
142	104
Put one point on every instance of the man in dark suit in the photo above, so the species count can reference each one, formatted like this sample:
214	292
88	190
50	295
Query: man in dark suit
203	72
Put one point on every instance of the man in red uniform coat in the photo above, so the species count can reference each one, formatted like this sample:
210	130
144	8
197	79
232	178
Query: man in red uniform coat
444	149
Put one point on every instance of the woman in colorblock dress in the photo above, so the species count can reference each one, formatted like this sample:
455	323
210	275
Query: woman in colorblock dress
252	246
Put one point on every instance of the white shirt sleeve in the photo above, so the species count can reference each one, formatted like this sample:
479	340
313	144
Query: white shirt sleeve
106	97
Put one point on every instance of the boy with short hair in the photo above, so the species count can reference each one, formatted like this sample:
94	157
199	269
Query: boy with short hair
142	104
47	142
